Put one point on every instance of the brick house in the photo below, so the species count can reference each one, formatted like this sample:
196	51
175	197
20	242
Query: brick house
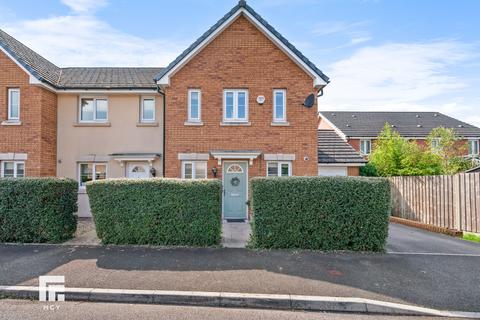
361	129
232	106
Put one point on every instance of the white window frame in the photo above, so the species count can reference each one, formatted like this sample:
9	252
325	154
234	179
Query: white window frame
9	114
477	142
235	105
94	172
94	109
15	164
362	141
284	118
279	167
436	143
142	118
194	173
190	118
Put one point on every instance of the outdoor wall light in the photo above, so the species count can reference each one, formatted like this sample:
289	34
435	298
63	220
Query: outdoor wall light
153	172
214	172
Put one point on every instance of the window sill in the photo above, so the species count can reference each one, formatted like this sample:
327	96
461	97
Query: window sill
193	124
280	124
11	123
229	124
92	124
147	124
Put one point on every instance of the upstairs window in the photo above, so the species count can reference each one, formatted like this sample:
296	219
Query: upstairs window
279	106
279	169
194	170
147	110
93	110
13	104
365	147
473	148
235	106
194	105
12	169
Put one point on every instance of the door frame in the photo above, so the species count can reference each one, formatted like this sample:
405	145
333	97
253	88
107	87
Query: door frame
129	163
223	188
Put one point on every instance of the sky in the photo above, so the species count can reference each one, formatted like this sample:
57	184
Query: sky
381	55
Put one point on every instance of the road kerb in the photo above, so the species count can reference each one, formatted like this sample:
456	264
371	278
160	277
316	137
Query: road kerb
237	300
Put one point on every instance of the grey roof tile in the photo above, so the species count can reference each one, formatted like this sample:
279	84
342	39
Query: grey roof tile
243	4
78	78
333	149
40	67
108	78
408	124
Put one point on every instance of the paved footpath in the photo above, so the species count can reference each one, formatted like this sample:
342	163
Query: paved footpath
21	310
432	276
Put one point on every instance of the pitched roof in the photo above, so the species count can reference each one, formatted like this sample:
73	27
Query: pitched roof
333	149
37	65
408	124
242	4
108	78
77	78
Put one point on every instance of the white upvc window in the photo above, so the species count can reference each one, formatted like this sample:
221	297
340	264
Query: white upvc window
12	169
435	143
90	172
279	105
365	146
13	104
194	105
279	169
235	105
194	170
147	109
93	109
473	147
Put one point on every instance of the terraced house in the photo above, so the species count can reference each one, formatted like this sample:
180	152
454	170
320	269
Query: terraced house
239	102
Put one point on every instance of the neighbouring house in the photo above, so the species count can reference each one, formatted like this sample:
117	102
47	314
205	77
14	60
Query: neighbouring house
232	106
361	128
336	157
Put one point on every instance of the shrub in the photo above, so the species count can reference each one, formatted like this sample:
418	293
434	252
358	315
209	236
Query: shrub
37	209
157	211
323	213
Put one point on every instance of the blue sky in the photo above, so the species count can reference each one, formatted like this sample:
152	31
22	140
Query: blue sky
380	54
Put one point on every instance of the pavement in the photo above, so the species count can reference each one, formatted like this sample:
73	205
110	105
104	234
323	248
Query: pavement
425	274
235	234
21	309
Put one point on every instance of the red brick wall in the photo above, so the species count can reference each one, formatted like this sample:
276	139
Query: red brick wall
36	136
241	57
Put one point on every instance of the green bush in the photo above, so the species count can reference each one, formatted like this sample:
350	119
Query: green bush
157	211
37	209
321	213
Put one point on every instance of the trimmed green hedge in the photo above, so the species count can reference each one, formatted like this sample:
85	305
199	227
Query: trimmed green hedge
37	209
322	213
157	211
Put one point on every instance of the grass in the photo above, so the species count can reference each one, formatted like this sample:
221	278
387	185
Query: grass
471	237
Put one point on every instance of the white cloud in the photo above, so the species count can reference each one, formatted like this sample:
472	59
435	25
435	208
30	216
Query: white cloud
355	32
84	40
84	6
401	77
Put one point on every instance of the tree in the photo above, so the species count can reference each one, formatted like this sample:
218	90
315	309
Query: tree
394	155
449	148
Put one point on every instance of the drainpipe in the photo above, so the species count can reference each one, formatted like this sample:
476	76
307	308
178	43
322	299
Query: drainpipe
160	91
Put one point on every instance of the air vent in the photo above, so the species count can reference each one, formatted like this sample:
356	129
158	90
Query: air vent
354	116
435	115
393	126
417	116
419	125
348	125
460	125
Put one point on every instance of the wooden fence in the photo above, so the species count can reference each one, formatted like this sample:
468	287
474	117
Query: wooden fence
451	202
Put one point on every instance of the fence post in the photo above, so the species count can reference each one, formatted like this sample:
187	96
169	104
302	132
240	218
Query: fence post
456	202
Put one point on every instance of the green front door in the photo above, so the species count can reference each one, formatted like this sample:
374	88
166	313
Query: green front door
235	190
